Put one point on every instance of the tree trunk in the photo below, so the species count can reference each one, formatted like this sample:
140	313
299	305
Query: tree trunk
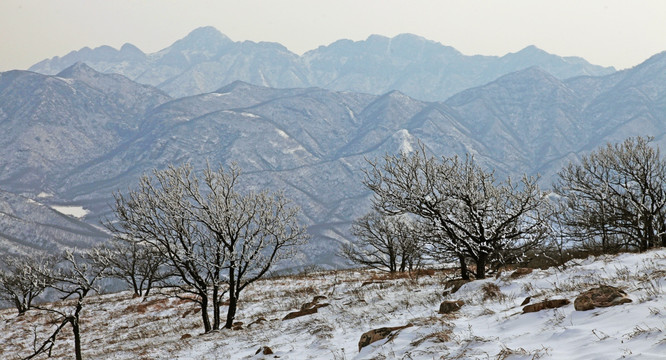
204	312
136	287
231	313
233	296
481	266
20	306
77	336
463	268
216	307
649	231
148	286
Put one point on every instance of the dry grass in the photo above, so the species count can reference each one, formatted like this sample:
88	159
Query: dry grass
436	337
492	292
506	353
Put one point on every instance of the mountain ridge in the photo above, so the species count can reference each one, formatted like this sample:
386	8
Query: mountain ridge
206	59
310	142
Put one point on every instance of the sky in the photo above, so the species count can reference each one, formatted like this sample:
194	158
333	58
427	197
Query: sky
616	33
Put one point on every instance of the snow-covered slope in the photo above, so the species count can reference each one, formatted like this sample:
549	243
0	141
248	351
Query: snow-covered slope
491	324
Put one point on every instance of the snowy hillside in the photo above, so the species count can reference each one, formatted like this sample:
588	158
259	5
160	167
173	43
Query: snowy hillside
490	325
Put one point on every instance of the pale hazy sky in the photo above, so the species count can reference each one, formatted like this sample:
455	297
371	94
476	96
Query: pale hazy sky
621	33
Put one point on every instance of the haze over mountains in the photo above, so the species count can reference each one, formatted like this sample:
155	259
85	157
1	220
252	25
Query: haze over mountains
81	134
206	60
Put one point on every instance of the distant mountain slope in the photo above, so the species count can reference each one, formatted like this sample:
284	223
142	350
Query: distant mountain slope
313	143
425	69
205	60
53	124
29	227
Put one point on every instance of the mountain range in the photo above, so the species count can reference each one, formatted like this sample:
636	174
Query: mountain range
206	60
73	138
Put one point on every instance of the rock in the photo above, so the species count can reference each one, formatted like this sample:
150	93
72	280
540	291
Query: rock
547	304
602	296
295	314
313	303
454	285
258	321
185	336
520	272
448	307
378	334
526	301
264	350
304	312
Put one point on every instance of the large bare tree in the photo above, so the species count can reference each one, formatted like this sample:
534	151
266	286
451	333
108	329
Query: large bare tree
216	238
616	196
470	213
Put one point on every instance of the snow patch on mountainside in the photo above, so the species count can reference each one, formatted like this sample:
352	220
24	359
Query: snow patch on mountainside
405	140
75	211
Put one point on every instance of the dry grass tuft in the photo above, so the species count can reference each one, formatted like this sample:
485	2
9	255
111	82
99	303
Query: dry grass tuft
150	305
441	336
491	292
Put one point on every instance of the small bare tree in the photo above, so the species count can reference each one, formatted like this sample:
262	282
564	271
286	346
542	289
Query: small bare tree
383	242
75	278
211	234
138	264
471	214
22	279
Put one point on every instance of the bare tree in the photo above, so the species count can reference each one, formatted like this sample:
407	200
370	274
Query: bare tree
616	195
22	279
211	234
472	215
383	242
75	278
138	264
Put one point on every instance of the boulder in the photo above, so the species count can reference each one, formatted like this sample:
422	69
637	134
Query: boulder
258	321
602	296
264	350
295	314
378	334
308	311
520	272
313	303
452	286
448	307
547	304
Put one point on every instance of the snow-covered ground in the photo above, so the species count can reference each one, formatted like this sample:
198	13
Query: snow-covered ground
489	325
